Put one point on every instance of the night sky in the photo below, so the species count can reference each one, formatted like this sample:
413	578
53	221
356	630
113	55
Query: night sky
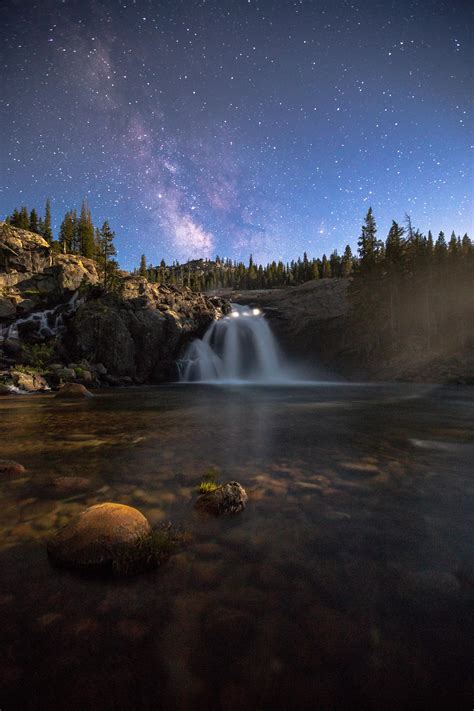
230	128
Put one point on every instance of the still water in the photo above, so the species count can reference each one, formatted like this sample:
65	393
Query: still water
346	583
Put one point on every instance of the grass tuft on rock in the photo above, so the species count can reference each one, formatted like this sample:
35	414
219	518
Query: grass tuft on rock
149	552
209	481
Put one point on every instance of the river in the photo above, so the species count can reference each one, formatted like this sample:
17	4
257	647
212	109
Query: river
346	582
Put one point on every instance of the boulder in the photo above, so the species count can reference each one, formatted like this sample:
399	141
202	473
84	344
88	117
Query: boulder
67	373
228	498
30	382
98	536
73	391
8	466
7	308
22	251
4	389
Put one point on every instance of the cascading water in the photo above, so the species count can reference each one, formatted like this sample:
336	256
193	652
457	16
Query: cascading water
237	348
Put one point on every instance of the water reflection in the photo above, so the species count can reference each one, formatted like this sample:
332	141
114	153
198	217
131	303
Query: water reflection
346	582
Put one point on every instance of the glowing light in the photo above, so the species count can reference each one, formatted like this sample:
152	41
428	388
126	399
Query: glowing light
256	312
235	314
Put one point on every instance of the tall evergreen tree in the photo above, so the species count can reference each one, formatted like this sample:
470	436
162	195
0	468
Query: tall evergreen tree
34	227
143	268
107	255
47	231
86	232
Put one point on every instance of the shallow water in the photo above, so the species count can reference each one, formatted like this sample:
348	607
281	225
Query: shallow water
346	583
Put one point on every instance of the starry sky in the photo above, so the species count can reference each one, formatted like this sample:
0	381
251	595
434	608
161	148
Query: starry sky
253	126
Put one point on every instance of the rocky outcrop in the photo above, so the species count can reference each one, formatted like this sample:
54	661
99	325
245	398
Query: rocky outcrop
229	498
140	330
98	536
29	382
134	334
22	252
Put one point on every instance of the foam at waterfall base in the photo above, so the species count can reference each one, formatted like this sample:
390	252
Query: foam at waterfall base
237	349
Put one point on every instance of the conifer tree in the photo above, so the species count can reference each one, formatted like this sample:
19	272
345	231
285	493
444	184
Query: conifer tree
107	255
24	220
143	268
86	232
47	231
66	233
34	221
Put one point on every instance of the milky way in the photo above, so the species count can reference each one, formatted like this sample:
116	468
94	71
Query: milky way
230	128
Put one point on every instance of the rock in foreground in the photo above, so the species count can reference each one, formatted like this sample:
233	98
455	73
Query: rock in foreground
228	498
99	536
8	466
73	391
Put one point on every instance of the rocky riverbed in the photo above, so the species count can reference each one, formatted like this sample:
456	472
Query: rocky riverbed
345	582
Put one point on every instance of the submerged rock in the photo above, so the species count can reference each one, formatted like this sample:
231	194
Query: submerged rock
228	498
8	466
73	390
99	536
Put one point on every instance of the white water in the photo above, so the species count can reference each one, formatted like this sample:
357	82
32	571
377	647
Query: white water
49	322
238	348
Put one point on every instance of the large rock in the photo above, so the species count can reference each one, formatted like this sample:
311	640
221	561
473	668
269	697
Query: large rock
228	498
29	382
98	536
73	391
22	251
9	467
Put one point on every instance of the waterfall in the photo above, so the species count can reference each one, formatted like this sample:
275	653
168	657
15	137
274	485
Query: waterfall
48	323
237	348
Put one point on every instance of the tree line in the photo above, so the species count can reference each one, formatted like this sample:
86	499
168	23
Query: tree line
205	275
411	291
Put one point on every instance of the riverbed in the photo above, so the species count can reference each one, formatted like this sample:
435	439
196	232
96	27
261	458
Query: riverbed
346	583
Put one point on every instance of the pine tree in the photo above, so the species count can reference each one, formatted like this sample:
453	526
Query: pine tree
142	269
86	232
47	231
34	221
347	262
24	220
66	233
107	254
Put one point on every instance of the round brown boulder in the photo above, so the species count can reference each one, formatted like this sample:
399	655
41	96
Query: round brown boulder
98	536
8	466
73	390
228	498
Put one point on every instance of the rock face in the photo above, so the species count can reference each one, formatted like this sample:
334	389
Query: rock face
140	331
228	498
98	536
32	277
22	251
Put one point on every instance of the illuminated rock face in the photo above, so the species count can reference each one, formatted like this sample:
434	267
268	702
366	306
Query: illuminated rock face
98	536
